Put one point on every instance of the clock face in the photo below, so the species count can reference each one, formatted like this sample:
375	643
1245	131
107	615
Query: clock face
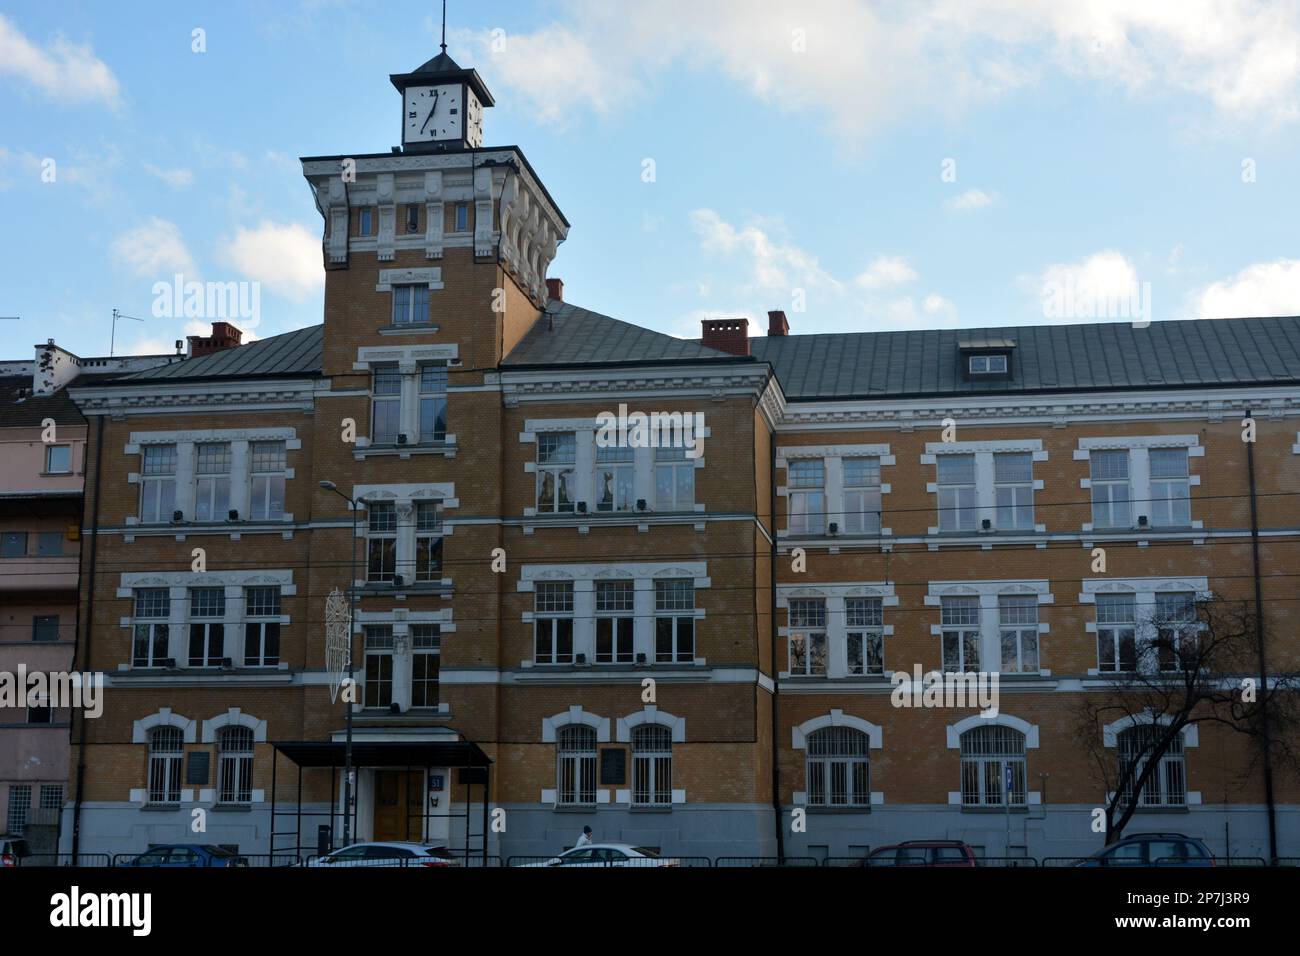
432	113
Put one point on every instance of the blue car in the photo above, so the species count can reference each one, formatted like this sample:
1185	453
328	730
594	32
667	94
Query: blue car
187	854
1153	849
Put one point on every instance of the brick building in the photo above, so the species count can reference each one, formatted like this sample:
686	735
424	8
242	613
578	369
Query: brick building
621	628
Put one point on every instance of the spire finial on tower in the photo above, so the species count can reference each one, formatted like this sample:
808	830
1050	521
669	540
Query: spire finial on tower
444	26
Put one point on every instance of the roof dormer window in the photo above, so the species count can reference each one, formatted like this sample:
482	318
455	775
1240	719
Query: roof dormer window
995	364
985	357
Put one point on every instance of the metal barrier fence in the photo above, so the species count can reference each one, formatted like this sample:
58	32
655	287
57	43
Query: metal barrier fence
65	859
555	862
742	861
477	861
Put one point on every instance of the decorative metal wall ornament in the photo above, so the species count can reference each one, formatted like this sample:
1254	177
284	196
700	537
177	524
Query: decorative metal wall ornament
338	651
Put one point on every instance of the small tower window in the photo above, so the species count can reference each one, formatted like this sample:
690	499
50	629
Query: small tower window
985	357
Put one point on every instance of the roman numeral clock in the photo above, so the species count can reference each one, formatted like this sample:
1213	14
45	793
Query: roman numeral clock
442	106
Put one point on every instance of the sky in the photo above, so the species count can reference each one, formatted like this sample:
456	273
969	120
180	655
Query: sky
861	165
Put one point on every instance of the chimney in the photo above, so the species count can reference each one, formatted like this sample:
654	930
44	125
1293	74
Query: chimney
224	336
555	289
777	323
726	335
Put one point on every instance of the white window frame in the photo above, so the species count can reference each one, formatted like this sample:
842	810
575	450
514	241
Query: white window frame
986	486
212	626
426	646
806	503
1139	449
826	767
548	616
615	473
586	468
49	459
212	488
576	764
841	500
165	766
1144	592
158	626
411	292
807	635
405	499
158	487
235	767
643	575
561	471
837	596
619	620
989	627
652	766
186	480
262	621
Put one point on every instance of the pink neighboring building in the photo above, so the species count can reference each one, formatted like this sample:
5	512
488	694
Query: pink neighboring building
42	471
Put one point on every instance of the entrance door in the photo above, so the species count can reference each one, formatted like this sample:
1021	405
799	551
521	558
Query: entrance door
399	812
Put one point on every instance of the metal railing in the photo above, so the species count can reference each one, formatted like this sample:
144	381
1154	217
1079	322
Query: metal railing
458	859
763	861
65	859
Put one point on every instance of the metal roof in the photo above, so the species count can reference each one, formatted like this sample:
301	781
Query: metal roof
291	354
578	336
374	753
1048	358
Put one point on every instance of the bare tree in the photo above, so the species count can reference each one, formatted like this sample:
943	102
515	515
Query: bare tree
1185	662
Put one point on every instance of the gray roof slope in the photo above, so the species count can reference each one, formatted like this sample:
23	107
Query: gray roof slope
1114	355
583	337
291	354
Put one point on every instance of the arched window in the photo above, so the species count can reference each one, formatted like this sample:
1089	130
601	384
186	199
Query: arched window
166	745
652	766
575	748
988	755
235	765
839	768
1167	785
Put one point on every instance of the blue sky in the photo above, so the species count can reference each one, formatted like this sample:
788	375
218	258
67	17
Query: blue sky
861	165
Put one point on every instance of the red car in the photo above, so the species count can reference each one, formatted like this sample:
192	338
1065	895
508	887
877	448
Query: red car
922	853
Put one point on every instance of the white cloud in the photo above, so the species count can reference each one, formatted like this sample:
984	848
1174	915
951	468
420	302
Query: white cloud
1264	288
774	272
862	64
175	178
154	250
886	271
970	201
1102	286
284	258
64	71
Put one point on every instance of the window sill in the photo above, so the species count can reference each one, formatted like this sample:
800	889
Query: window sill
447	448
839	811
654	809
575	808
408	328
1000	810
232	808
160	807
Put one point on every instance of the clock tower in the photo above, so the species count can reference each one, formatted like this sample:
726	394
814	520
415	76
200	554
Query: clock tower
442	106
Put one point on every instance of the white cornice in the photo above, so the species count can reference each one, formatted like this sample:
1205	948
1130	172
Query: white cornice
1037	409
164	397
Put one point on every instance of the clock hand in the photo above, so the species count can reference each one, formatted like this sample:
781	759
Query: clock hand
431	111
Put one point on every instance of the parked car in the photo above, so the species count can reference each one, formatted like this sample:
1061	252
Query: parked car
12	849
606	854
381	853
1153	849
944	853
187	854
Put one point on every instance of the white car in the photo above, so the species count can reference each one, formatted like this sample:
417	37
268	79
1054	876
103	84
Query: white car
606	854
387	854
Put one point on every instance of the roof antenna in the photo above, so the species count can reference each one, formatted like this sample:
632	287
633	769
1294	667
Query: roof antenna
444	26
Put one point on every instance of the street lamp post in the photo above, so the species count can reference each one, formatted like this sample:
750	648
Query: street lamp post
355	505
